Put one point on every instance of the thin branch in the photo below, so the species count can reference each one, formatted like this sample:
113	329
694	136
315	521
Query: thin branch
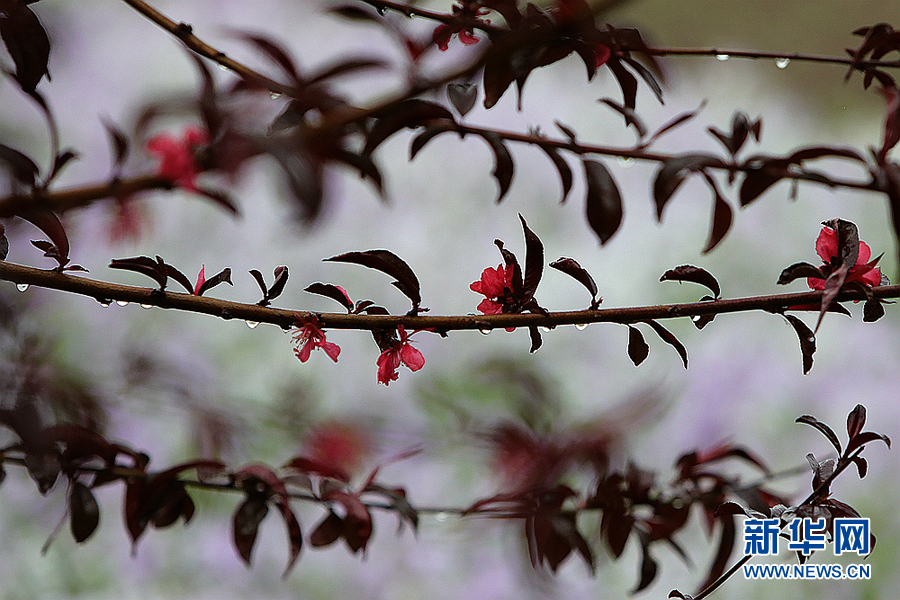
62	200
107	292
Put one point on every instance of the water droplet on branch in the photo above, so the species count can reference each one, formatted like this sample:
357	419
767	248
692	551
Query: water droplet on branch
252	324
581	326
146	306
722	57
485	330
22	287
781	63
122	302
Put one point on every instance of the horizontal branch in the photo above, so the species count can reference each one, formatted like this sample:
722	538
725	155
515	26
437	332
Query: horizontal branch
285	318
62	200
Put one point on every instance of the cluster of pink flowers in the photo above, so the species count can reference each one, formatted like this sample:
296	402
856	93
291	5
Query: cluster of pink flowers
178	157
401	352
308	336
864	271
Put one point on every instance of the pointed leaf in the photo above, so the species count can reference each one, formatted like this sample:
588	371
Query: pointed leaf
630	116
145	266
667	336
536	340
245	525
673	172
807	341
84	512
638	350
856	420
223	276
409	113
864	438
693	274
328	531
722	216
570	267
562	167
427	134
798	270
334	292
389	263
603	206
827	431
534	262
27	43
649	567
49	223
22	168
504	167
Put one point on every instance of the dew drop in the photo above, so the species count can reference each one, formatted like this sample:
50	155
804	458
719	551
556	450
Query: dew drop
146	306
104	303
722	57
485	330
223	67
274	95
782	63
581	326
696	318
252	324
811	340
441	517
545	329
122	302
22	287
626	161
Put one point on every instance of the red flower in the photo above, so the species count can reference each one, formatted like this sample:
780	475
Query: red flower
177	157
201	279
465	13
308	336
400	352
496	285
864	271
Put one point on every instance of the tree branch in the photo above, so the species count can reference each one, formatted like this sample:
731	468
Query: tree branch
285	318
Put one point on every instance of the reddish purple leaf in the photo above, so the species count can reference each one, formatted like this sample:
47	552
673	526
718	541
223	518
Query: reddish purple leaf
807	341
562	167
245	525
667	336
504	167
603	206
638	350
389	263
570	267
84	512
827	431
27	43
856	420
693	274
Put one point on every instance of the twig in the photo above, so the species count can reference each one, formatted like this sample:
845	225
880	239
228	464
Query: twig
107	292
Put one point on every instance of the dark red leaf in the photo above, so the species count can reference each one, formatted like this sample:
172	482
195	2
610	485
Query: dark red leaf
827	431
328	531
807	341
693	274
536	341
119	143
498	76
677	121
27	43
344	67
722	215
223	276
626	81
49	223
649	567
760	175
364	165
723	551
864	438
631	117
570	267
562	167
856	420
23	169
798	270
862	466
673	172
534	262
872	310
177	275
245	525
409	113
638	350
331	291
603	206
427	134
666	336
504	167
295	535
389	263
145	265
84	512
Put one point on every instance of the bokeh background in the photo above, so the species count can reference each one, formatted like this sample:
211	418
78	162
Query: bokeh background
182	385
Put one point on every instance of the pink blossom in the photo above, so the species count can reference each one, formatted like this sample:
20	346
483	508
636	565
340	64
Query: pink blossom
201	279
864	271
401	352
178	157
496	285
466	13
308	336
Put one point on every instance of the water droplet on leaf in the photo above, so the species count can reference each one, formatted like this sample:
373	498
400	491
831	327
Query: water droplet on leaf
252	324
22	287
722	57
781	63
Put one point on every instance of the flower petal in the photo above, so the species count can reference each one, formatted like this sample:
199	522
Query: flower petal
411	357
827	244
